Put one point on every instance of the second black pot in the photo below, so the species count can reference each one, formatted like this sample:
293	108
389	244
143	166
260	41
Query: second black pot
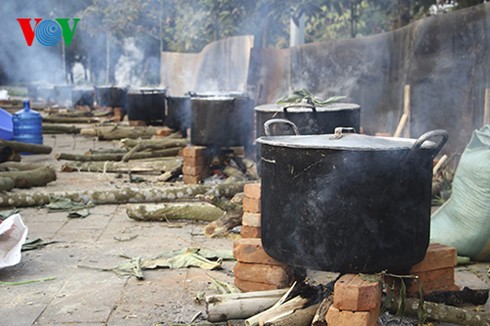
350	204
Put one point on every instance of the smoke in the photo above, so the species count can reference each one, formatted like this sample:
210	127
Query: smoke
128	63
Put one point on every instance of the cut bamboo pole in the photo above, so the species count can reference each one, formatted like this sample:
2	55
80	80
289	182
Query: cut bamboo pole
486	111
404	124
222	307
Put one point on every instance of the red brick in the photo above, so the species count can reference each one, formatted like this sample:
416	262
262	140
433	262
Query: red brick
137	123
196	161
437	257
200	170
252	190
248	286
435	280
117	114
251	219
336	317
250	250
262	273
163	132
194	151
191	179
353	293
251	205
249	232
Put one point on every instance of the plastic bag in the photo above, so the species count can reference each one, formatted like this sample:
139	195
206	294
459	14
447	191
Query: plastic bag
13	234
464	220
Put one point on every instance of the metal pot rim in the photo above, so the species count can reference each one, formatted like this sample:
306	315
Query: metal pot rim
349	142
305	109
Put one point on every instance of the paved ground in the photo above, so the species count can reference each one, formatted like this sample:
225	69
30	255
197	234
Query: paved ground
79	295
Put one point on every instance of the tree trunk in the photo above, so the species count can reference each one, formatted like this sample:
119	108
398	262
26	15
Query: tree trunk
27	178
443	313
25	147
6	184
119	132
59	129
223	224
321	312
158	166
222	307
169	152
56	119
154	144
124	195
174	211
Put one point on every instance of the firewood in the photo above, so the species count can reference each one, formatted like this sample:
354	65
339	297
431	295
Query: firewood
117	156
321	312
58	119
442	313
27	175
223	224
154	144
49	128
174	211
293	317
222	307
158	166
21	147
123	195
6	184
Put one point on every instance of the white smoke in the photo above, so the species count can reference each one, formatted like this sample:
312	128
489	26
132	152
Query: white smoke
126	70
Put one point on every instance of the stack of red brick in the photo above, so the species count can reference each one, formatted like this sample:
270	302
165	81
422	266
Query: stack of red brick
255	270
195	166
355	302
435	271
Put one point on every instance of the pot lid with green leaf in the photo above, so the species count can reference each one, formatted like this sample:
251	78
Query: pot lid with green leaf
303	101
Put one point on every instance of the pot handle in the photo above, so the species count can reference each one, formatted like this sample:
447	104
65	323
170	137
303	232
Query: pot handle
268	123
339	131
300	105
442	134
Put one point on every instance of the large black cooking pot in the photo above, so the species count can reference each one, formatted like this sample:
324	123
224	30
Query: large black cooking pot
347	202
309	119
111	96
147	104
83	96
178	113
222	120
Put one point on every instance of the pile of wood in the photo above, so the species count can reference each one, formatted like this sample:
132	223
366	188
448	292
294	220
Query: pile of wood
20	175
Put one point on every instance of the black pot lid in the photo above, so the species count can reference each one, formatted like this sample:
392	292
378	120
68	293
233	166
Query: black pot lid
300	108
349	141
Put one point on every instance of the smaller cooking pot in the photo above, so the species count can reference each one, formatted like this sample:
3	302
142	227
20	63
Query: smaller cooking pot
346	202
179	113
147	104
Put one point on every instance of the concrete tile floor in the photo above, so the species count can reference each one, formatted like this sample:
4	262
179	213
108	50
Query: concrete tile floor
84	296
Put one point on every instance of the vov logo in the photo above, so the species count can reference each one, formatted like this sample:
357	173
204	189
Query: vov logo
48	32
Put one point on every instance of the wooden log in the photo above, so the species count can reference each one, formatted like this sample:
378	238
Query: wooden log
321	312
6	184
49	128
158	166
57	119
117	156
174	211
124	195
443	313
293	317
26	147
223	224
223	307
37	177
117	132
154	144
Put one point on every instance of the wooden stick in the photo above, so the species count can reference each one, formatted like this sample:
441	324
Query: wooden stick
51	128
117	156
20	147
321	312
123	195
441	161
28	176
444	313
404	123
174	211
401	125
157	166
486	110
222	307
294	317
